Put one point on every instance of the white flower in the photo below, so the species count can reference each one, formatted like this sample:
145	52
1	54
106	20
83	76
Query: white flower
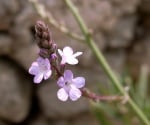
68	56
40	69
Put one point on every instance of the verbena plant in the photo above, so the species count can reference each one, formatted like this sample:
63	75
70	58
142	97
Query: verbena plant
134	98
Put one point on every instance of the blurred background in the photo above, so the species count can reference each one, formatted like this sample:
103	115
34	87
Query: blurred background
121	29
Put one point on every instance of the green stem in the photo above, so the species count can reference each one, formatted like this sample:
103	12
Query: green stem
102	61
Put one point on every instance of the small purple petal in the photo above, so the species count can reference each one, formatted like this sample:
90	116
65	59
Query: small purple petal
61	82
74	94
47	63
40	60
35	64
43	62
38	78
79	82
47	74
71	60
62	94
34	69
68	75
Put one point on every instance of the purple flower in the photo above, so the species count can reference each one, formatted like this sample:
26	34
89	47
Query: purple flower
69	86
68	56
40	69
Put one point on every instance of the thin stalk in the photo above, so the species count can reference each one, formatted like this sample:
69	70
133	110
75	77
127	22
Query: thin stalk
102	61
97	98
48	17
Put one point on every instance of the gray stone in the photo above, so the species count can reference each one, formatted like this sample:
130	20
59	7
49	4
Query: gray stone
25	55
144	7
39	120
101	13
14	93
140	55
123	34
116	60
22	36
84	119
128	6
60	122
5	44
4	123
7	11
80	119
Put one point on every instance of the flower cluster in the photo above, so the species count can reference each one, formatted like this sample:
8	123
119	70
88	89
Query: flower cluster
48	63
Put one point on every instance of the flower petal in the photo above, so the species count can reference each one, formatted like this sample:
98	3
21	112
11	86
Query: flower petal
47	74
43	62
79	82
40	60
68	75
67	51
61	82
62	94
34	69
71	60
47	63
74	94
60	52
77	54
38	78
63	60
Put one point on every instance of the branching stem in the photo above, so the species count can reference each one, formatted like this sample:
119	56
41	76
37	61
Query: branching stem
102	61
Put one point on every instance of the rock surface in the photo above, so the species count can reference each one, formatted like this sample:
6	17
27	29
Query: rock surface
14	93
4	122
5	44
120	29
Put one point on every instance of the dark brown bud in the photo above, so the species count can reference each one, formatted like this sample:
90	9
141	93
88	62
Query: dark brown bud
39	26
44	40
43	35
